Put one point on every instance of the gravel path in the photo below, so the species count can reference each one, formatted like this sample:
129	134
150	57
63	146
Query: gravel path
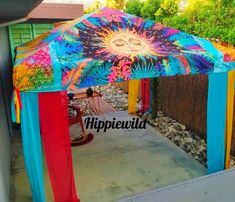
186	139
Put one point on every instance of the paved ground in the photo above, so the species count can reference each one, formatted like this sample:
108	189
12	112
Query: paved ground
117	164
218	187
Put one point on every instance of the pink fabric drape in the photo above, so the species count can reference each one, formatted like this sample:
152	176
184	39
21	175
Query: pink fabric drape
145	94
53	110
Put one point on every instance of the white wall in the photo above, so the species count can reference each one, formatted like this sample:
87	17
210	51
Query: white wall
4	153
5	94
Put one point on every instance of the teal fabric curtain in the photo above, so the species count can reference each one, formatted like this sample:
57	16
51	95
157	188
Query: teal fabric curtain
216	121
13	112
151	96
31	139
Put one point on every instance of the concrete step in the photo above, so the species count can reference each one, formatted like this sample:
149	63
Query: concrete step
218	187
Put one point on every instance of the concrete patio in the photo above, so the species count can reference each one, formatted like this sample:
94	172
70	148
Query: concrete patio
117	164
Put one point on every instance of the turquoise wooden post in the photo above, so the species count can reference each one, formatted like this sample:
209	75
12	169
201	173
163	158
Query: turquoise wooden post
216	121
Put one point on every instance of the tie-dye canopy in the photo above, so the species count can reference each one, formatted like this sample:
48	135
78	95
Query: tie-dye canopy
111	46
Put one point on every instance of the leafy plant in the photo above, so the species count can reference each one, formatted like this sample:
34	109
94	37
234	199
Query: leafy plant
149	8
134	7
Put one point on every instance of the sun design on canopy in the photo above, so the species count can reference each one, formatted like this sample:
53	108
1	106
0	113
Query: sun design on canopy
117	43
126	43
120	47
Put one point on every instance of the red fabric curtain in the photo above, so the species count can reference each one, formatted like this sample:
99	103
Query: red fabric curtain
145	94
53	110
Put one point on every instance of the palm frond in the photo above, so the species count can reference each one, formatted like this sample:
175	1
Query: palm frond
140	71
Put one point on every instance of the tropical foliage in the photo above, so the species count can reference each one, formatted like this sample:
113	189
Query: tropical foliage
134	7
204	18
115	4
149	8
94	7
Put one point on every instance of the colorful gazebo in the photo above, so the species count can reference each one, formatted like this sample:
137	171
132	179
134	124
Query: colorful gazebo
105	47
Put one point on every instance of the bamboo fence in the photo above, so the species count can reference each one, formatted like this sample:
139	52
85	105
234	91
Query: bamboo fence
184	98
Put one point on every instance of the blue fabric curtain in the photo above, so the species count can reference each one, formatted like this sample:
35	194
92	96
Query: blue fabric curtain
216	121
31	138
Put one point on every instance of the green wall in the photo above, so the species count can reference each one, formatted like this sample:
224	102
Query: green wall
22	33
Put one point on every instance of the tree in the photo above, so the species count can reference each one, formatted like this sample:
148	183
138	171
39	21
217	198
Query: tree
168	8
115	4
94	7
134	7
215	19
149	9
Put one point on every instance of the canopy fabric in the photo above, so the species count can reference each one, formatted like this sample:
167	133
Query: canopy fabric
111	46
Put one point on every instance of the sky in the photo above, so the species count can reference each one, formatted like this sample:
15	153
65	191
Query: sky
86	3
